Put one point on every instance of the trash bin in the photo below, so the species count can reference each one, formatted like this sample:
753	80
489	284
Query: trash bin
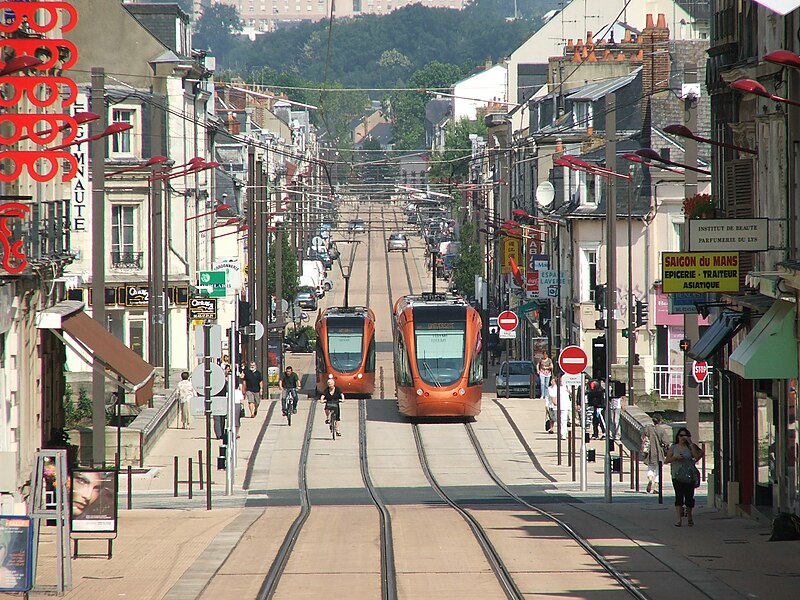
591	455
616	464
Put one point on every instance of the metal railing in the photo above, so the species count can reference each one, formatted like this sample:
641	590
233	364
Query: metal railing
668	381
126	260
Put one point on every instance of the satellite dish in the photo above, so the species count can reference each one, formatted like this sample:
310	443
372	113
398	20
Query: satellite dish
545	194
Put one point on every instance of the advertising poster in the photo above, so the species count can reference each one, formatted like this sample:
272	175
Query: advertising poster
16	553
94	501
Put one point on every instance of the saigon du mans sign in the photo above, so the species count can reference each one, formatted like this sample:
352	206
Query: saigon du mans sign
700	272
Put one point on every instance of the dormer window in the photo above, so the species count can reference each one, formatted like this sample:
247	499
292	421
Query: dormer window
582	115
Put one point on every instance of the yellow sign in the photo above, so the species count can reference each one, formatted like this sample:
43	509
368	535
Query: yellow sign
699	272
510	248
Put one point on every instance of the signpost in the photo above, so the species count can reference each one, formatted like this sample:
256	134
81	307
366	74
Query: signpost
699	371
700	272
728	235
507	323
573	361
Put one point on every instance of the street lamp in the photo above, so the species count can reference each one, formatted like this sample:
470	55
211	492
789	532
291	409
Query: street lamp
651	154
749	86
639	160
20	63
685	132
112	129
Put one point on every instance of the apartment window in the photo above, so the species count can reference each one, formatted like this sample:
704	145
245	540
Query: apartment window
122	229
122	143
582	114
588	274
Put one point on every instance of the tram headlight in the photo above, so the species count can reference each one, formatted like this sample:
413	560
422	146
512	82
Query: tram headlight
359	376
461	391
419	392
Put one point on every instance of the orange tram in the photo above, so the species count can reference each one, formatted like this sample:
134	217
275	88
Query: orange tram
346	349
437	356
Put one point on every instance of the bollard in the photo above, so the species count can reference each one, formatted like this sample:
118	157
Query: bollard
621	463
382	389
200	467
175	477
190	478
633	474
638	468
703	460
130	487
660	482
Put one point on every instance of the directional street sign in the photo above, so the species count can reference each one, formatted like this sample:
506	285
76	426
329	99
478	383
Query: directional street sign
573	360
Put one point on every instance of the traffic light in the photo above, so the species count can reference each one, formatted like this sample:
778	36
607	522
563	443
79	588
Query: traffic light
625	332
642	311
599	357
244	314
600	297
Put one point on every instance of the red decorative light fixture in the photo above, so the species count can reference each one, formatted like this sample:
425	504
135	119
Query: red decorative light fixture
685	132
783	58
20	63
749	86
638	159
651	154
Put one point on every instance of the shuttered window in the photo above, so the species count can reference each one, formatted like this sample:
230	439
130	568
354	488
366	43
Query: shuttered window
740	203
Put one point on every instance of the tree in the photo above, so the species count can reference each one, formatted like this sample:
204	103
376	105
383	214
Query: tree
469	261
408	107
289	270
452	165
216	30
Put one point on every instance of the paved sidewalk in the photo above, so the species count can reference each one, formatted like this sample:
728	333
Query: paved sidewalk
165	538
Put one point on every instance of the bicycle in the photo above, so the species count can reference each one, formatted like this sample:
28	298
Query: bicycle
332	418
291	404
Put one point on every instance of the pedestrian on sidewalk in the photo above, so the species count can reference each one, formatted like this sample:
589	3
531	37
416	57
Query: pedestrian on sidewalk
596	398
545	370
681	457
614	411
185	391
254	388
656	440
563	403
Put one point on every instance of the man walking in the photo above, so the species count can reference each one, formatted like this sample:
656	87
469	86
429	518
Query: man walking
254	388
596	399
185	391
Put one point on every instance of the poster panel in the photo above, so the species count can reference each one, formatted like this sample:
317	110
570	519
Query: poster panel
94	501
16	553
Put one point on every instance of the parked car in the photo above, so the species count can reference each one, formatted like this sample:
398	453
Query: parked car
306	297
521	383
323	256
397	241
358	226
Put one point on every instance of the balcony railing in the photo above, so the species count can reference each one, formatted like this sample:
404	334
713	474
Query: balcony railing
668	381
126	260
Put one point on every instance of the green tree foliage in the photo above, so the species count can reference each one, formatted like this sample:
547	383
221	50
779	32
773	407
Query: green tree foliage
408	107
469	262
359	46
289	264
452	165
216	30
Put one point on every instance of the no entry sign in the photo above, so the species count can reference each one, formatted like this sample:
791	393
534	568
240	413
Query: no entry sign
573	360
700	370
507	320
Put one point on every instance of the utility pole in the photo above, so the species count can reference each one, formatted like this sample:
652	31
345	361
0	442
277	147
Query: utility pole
98	155
279	290
691	330
631	308
264	303
611	271
249	344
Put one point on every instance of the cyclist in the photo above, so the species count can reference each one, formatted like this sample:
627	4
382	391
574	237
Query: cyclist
289	382
332	397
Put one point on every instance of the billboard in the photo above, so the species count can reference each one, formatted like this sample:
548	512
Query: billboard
16	553
93	494
699	272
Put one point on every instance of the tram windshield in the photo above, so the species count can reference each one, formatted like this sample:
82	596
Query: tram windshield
440	351
345	346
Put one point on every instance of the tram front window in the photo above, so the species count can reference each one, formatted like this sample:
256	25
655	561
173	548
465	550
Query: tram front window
345	348
440	352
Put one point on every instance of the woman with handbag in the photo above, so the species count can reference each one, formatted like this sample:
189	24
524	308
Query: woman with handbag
681	457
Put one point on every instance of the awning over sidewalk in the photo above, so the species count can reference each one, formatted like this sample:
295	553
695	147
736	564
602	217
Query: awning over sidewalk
720	332
98	342
769	351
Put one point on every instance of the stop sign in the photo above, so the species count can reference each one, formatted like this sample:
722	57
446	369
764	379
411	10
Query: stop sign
507	320
700	370
573	360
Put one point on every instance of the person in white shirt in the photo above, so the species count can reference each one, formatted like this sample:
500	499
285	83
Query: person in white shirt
614	410
556	387
185	391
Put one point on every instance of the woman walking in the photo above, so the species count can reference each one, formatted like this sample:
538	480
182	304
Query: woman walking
681	457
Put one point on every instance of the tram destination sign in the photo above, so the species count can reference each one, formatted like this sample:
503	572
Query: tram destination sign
699	272
728	235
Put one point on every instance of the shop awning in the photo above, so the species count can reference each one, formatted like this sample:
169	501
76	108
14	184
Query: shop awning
98	342
769	351
720	332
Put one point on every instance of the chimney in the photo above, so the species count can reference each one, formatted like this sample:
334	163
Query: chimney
487	63
656	68
233	124
589	40
607	55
